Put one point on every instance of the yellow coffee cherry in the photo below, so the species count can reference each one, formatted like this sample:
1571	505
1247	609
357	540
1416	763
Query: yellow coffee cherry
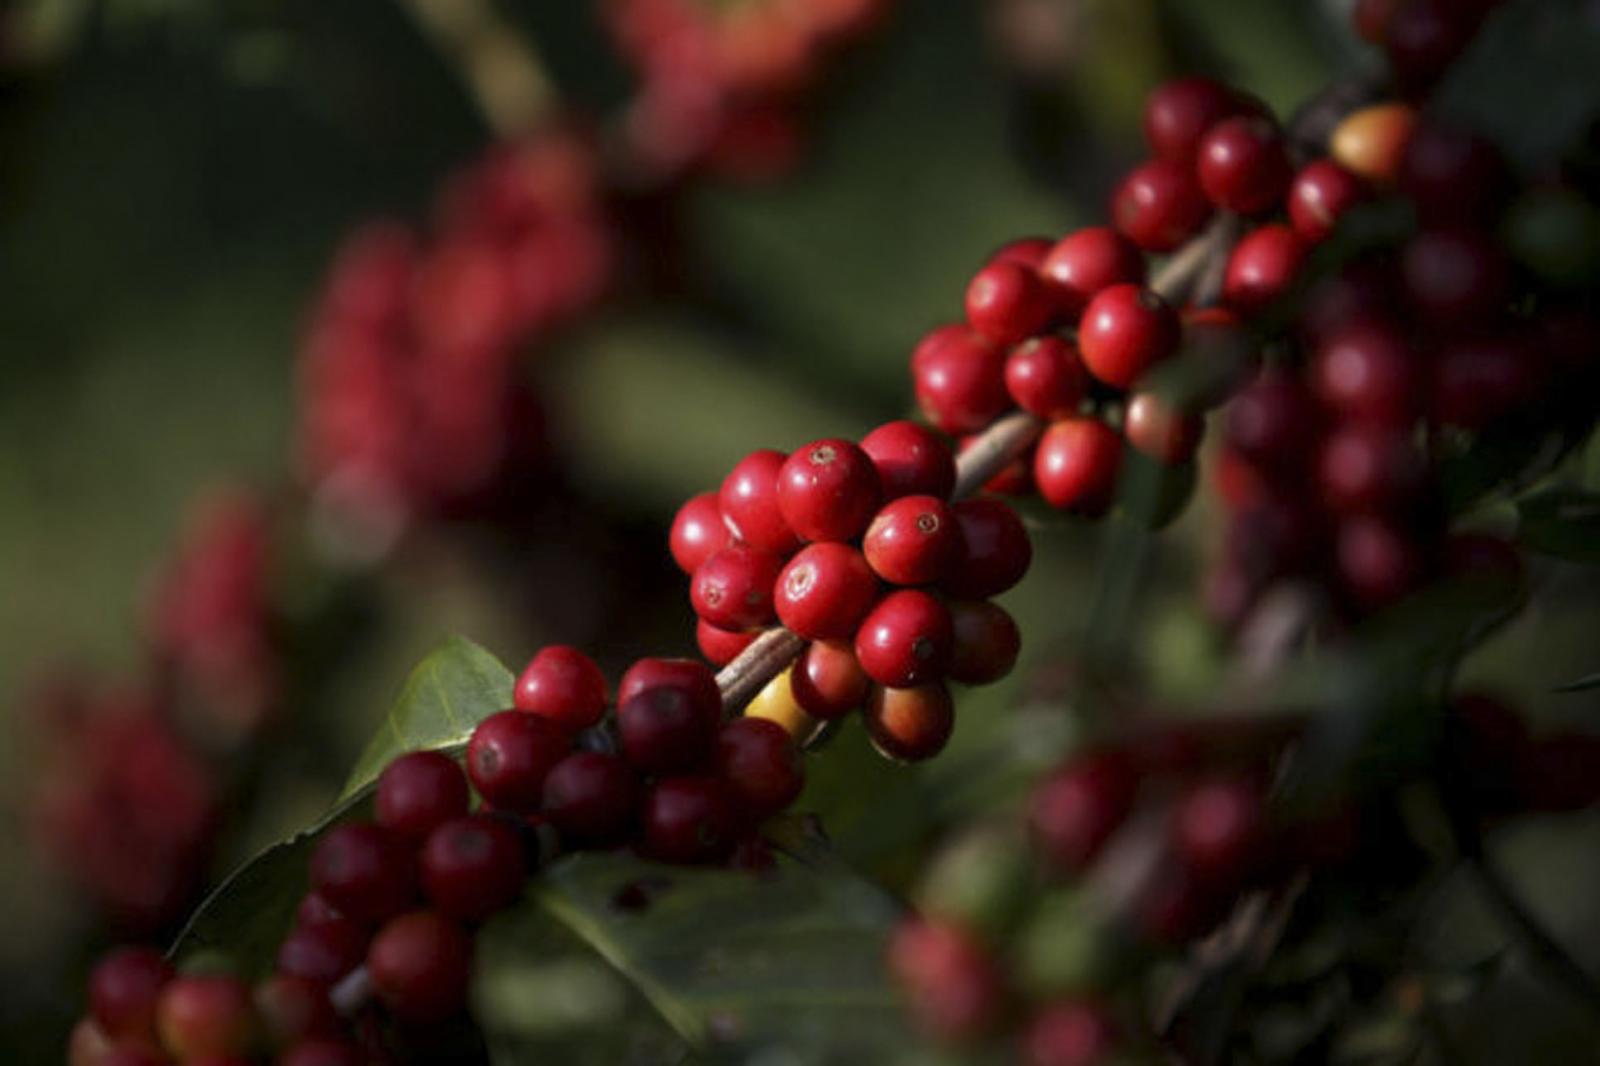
776	702
1371	142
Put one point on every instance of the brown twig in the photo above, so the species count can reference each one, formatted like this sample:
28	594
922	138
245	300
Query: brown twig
501	70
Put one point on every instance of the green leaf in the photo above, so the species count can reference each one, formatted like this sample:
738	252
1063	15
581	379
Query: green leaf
447	695
1563	523
1583	684
730	959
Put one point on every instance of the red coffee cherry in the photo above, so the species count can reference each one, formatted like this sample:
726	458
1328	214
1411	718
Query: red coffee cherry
124	987
1366	371
323	1051
1455	277
323	951
313	908
912	541
1319	196
202	1015
1243	165
911	460
1076	465
1365	467
987	641
1179	112
1024	251
1125	331
1371	19
959	379
955	989
508	756
1166	435
698	532
1086	261
1263	266
733	588
1077	808
665	730
689	820
420	790
1007	303
1069	1033
1453	177
294	1008
590	798
694	679
365	871
910	724
1273	423
1378	560
421	965
995	550
472	867
1159	205
749	503
827	490
1424	37
1483	377
1046	378
1217	828
1362	290
827	681
825	591
905	640
760	763
564	685
721	646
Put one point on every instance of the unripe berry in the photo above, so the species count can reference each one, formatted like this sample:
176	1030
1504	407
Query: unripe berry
1158	430
694	679
590	797
1046	378
911	460
910	724
721	646
995	550
1319	196
508	756
1075	466
419	791
1366	371
911	541
749	503
365	871
986	642
827	490
322	951
1243	165
564	685
1007	303
905	640
421	964
665	731
1178	113
1367	467
124	987
1262	267
1125	331
689	820
698	532
1086	261
959	379
1077	808
827	682
472	867
733	588
760	762
1159	205
776	703
205	1015
1370	143
825	591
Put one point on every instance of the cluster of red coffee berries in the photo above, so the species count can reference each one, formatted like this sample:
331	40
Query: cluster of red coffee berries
720	83
412	404
857	549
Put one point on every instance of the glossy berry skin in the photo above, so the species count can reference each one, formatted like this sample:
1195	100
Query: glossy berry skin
1378	561
910	724
733	588
721	646
323	951
693	679
292	1008
420	790
1006	303
1179	112
827	681
1086	261
1321	193
1078	807
749	503
912	541
1159	205
590	797
1455	277
1273	423
1069	1033
1262	267
760	762
1367	467
906	639
1024	252
664	731
124	987
1370	143
955	990
365	871
776	703
698	532
472	867
1156	429
1075	466
689	820
421	964
825	591
995	550
1366	371
1216	829
911	460
959	379
828	490
1452	176
1046	378
1125	331
509	754
205	1015
564	685
987	641
1243	165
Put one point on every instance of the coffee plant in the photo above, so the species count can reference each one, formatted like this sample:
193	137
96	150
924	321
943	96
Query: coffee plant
1350	348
